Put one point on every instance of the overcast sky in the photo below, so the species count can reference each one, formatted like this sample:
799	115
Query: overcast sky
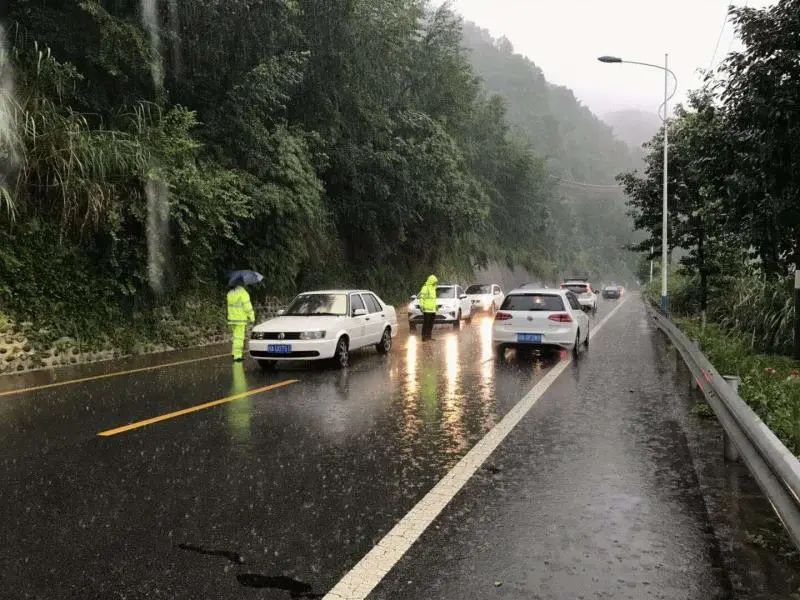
565	37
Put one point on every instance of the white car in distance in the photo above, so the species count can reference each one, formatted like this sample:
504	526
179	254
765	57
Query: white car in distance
486	297
325	325
582	289
542	317
452	306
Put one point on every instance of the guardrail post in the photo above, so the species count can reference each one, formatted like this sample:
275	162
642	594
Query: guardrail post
731	452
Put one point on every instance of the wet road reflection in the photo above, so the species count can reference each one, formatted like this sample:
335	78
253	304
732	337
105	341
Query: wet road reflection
304	479
239	413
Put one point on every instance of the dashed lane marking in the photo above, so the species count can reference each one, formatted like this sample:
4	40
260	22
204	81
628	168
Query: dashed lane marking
370	570
192	409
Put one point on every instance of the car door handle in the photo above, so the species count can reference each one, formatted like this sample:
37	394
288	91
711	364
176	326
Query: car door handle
366	318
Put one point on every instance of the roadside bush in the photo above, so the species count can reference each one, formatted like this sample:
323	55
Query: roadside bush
683	291
760	307
770	384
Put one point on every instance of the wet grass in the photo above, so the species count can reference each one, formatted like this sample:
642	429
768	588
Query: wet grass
770	383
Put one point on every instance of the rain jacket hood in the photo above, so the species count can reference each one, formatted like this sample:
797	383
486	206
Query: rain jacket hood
427	295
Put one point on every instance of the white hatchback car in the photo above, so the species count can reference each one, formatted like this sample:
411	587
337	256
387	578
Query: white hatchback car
540	317
487	297
325	325
452	306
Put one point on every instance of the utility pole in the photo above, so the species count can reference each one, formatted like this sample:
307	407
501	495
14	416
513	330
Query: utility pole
664	232
651	264
796	312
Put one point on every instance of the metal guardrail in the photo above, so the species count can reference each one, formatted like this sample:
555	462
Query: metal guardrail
773	466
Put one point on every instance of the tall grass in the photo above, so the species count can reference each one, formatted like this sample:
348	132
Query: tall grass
758	307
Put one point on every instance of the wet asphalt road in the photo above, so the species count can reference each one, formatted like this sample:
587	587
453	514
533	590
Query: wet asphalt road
279	494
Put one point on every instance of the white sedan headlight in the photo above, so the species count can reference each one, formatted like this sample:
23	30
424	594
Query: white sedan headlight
312	335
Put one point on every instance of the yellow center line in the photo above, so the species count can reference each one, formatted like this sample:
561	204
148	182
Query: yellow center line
191	409
108	375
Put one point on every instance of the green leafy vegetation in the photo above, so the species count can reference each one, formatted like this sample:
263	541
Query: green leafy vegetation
320	142
770	384
588	226
733	178
734	218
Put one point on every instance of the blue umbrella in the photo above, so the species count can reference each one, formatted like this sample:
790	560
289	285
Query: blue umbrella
244	278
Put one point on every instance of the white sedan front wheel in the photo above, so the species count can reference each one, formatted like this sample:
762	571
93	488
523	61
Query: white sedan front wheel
341	357
385	344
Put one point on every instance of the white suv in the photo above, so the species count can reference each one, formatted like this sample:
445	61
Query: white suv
587	297
452	306
486	297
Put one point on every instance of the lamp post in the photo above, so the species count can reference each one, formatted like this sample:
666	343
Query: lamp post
665	119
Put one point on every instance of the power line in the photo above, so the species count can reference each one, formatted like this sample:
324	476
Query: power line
719	37
733	37
592	186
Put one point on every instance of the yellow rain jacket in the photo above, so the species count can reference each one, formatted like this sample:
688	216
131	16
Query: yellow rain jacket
427	295
240	309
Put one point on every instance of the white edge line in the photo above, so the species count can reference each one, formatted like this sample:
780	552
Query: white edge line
376	564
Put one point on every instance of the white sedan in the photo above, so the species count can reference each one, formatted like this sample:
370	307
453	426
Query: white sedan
452	306
325	325
540	317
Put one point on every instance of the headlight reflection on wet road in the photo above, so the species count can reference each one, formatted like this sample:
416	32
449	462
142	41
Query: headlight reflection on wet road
487	372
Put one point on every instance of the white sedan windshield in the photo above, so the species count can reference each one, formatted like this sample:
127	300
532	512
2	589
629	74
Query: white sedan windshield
318	304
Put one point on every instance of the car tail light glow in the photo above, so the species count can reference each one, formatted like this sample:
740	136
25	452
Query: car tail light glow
501	316
560	318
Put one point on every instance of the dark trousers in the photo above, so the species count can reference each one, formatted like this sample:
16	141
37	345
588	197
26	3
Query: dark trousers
427	325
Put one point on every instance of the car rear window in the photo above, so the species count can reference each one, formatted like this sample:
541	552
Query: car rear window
575	288
479	289
546	302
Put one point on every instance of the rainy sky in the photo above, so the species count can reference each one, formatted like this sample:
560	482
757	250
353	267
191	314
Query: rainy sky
564	37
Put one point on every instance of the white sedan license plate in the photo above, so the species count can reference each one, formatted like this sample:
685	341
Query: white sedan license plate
279	349
529	338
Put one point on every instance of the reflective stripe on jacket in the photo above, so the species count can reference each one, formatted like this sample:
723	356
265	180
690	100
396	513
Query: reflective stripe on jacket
240	309
427	295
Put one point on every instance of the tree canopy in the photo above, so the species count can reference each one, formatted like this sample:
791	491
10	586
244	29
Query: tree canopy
320	142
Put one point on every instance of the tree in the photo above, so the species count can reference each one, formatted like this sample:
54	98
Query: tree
759	93
699	195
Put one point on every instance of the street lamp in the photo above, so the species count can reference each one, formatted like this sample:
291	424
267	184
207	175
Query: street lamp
665	119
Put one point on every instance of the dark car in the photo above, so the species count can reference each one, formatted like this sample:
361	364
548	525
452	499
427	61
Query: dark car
612	292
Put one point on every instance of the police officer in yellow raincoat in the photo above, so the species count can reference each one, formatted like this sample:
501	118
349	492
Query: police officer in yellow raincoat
427	302
240	313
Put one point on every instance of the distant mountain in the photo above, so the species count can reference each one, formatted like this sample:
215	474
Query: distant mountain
575	143
634	127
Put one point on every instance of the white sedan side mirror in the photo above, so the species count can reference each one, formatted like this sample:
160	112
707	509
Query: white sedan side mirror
359	312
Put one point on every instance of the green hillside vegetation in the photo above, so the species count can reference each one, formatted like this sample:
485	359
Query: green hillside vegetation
634	127
577	147
149	147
